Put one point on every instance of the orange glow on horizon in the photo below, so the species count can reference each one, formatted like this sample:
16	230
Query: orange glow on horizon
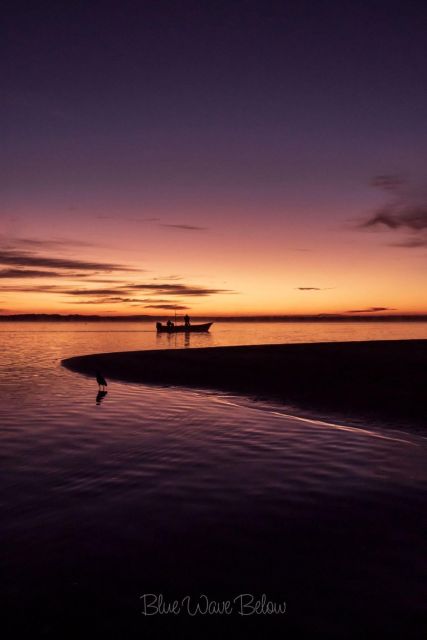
280	268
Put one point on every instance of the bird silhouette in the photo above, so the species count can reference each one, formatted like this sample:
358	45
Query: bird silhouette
101	381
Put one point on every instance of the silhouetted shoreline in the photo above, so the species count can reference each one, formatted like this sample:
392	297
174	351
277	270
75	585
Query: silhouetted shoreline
383	381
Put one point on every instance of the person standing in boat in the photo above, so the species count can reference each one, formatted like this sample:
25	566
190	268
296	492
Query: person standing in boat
187	320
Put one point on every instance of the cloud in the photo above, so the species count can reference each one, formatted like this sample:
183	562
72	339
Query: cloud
41	243
176	289
108	300
181	227
128	294
411	243
184	227
169	289
405	212
313	288
119	299
93	292
160	304
29	273
371	310
119	294
48	288
89	278
388	182
394	216
30	259
97	301
173	307
123	293
127	218
36	252
27	259
152	300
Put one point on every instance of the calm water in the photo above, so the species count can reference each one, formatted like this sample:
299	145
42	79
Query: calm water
162	490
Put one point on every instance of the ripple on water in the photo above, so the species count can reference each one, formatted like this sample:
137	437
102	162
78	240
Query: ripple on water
160	479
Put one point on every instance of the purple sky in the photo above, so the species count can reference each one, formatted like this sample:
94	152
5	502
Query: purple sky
210	114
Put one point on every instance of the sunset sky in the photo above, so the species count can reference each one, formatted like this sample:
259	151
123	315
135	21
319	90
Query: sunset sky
216	157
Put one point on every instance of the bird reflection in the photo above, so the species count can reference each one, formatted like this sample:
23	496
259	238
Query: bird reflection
100	396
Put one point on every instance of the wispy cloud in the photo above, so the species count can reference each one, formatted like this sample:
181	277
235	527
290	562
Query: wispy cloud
35	253
406	211
371	310
11	242
177	226
410	243
28	273
126	293
107	300
397	216
183	227
127	218
156	300
25	288
96	301
176	289
27	259
90	279
31	259
387	182
314	288
173	307
93	292
154	303
121	293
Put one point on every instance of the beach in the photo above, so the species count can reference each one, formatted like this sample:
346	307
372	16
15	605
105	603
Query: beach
382	380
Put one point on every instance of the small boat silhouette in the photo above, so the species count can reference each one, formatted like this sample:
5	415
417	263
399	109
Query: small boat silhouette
183	328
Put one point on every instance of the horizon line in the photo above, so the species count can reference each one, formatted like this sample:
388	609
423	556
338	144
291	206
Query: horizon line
245	317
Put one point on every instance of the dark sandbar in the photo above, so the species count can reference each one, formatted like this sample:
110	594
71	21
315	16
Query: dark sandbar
381	380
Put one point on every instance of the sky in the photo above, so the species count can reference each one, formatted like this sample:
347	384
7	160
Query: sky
224	158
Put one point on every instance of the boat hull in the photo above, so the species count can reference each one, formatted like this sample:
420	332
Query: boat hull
192	328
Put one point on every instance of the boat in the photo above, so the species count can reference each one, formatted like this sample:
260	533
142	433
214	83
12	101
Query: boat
183	328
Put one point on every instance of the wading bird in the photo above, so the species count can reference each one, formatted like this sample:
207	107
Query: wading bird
101	381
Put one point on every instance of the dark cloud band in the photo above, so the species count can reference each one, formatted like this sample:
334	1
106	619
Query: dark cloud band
29	259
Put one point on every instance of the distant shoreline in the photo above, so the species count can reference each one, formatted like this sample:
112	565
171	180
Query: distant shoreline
384	381
30	317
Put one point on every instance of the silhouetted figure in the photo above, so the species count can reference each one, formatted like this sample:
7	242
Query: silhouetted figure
187	320
170	324
101	381
100	396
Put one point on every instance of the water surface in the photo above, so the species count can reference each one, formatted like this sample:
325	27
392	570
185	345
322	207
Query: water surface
178	491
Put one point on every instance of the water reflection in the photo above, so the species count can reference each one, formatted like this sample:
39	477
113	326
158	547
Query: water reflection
100	396
196	490
185	339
